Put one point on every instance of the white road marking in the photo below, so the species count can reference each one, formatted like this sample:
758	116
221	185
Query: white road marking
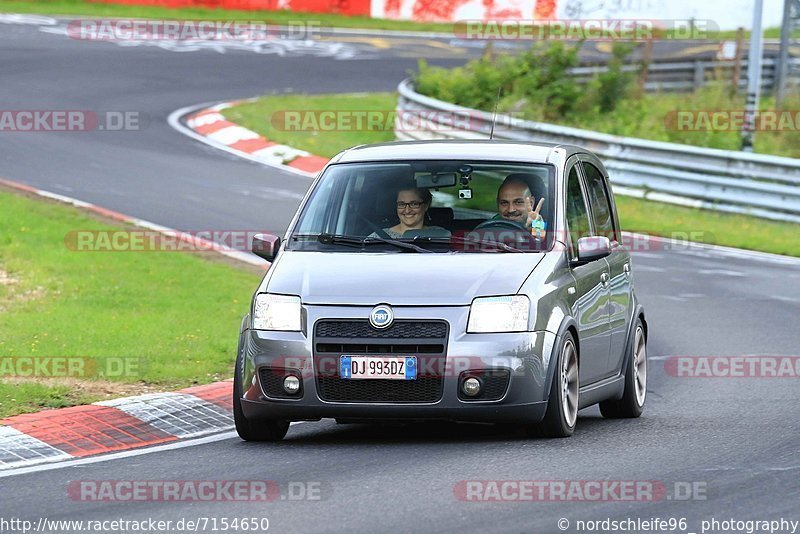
64	199
36	20
279	46
721	272
232	134
204	120
20	449
178	414
721	250
124	454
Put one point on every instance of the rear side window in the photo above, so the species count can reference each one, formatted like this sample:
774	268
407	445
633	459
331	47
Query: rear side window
577	214
598	199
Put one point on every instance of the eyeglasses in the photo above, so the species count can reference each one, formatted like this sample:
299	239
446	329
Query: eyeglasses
415	205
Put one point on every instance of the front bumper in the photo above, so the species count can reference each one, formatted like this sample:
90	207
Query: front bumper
526	356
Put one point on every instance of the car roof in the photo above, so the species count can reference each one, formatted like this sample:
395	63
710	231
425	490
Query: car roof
478	149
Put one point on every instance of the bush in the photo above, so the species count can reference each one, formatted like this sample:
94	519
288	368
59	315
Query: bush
537	85
536	82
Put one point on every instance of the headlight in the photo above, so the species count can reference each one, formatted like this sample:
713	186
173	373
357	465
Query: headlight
277	312
499	314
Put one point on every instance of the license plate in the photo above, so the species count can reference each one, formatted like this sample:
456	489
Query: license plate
380	367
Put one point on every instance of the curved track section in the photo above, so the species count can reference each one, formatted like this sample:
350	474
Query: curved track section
734	439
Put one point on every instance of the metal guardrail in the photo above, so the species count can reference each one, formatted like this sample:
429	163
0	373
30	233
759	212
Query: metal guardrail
681	74
689	75
724	180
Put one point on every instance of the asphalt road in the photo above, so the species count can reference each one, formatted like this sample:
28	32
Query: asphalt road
735	440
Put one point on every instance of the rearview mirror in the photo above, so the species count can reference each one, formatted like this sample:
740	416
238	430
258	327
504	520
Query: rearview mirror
436	180
593	248
266	246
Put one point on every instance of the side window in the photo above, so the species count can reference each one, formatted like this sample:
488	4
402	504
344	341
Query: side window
598	199
318	213
577	215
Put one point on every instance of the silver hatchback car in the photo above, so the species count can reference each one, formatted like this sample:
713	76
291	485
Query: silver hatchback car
458	280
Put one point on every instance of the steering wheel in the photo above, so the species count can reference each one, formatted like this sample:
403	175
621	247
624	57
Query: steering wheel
500	223
374	227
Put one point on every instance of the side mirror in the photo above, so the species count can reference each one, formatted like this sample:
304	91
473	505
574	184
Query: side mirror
593	248
266	246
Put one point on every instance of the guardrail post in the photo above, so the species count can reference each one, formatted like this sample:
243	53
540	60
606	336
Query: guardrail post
737	62
782	68
753	77
647	58
699	74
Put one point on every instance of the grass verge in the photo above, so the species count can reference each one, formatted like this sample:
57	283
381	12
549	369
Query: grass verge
97	9
283	17
267	116
636	214
134	322
537	85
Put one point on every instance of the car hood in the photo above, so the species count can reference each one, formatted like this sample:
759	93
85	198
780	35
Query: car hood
398	278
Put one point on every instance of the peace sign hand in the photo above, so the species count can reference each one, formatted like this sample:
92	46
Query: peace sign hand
535	221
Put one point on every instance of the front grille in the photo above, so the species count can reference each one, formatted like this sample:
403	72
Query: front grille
494	381
427	340
399	330
272	383
373	348
423	389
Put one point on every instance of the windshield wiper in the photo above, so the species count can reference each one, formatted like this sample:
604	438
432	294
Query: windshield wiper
461	241
397	243
335	239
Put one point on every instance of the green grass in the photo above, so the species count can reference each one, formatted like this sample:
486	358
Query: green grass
751	233
173	315
85	8
648	116
537	86
267	116
322	20
636	214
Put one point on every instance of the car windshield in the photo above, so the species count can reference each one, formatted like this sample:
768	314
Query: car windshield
429	206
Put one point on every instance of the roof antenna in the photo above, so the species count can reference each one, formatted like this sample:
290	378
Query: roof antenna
494	117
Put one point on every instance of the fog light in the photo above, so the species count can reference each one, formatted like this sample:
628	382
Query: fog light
471	386
291	384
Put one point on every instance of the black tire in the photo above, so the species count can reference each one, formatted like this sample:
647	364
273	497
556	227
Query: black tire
261	429
556	422
632	402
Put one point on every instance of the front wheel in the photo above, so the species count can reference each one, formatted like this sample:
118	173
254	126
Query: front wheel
562	405
257	430
632	402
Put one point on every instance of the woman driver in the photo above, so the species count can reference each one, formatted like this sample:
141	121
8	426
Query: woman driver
412	206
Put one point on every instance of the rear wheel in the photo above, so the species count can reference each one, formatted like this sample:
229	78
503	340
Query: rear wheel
253	430
562	405
632	402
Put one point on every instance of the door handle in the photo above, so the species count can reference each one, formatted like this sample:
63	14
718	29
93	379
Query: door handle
604	279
